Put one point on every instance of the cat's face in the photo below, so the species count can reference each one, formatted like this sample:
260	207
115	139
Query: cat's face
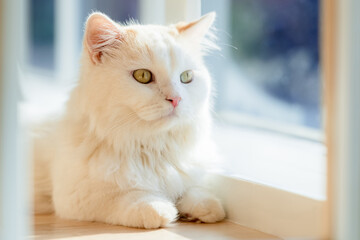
155	72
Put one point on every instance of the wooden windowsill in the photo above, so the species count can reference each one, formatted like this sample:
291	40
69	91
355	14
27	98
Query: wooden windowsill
52	227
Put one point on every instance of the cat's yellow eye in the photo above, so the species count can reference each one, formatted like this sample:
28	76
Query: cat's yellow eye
142	76
187	76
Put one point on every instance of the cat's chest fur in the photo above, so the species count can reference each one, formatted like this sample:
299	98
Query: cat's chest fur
159	162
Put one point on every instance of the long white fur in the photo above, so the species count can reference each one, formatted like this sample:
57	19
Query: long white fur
121	154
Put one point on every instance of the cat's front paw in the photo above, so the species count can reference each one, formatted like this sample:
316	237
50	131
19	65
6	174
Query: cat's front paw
152	214
201	205
208	211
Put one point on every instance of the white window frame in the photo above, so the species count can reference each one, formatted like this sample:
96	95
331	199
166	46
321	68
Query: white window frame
14	201
345	164
169	11
67	36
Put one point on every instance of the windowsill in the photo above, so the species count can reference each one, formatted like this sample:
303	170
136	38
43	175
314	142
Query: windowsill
51	227
291	164
271	182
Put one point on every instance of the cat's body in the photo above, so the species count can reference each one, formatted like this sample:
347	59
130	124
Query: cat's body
125	152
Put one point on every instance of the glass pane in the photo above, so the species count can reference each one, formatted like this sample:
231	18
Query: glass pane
118	10
42	25
270	59
41	31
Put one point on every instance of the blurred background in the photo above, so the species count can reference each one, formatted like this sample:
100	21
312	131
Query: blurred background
42	25
267	74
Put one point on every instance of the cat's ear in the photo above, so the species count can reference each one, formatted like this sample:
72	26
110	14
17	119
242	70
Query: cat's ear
101	34
197	29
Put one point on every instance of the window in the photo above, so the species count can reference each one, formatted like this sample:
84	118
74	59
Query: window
269	74
267	78
44	37
42	34
269	129
120	11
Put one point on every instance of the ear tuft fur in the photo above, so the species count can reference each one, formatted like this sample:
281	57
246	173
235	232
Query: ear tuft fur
101	33
198	27
200	31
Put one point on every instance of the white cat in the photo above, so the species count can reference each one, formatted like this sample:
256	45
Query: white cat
127	148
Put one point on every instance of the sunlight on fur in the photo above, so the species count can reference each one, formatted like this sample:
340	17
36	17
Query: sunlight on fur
131	152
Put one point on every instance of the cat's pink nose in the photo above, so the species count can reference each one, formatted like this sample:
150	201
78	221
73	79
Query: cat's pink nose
174	100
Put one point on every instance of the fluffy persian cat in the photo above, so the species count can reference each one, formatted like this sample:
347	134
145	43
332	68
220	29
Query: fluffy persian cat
127	149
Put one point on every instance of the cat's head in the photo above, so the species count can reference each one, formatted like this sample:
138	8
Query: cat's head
146	73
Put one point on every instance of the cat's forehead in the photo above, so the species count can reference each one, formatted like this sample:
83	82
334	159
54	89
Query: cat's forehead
153	31
160	43
154	36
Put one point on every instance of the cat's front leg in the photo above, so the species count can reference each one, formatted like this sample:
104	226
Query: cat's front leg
103	202
199	204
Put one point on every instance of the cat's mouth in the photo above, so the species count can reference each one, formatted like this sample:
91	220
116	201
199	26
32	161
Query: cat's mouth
159	116
170	115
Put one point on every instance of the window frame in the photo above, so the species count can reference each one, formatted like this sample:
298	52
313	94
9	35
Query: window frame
343	117
14	222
